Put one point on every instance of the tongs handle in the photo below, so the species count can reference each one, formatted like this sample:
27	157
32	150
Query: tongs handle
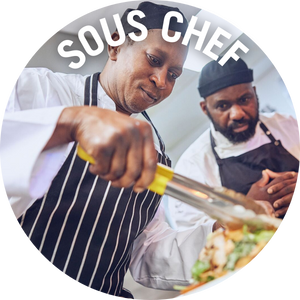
162	176
84	156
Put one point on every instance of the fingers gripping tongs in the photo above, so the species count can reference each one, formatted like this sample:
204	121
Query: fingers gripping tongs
232	209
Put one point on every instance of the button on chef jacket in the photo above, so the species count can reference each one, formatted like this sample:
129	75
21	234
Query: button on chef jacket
199	163
161	257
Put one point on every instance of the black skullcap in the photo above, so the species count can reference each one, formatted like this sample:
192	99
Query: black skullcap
215	77
154	18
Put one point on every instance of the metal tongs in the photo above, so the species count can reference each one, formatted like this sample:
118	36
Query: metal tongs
232	209
227	206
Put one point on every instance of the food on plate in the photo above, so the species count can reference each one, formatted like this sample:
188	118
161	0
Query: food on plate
226	251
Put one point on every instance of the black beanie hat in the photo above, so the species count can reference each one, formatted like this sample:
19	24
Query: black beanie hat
154	18
215	77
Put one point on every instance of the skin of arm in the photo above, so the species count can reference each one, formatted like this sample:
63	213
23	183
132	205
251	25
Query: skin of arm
123	148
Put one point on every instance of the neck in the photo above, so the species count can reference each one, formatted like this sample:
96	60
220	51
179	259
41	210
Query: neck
104	82
110	88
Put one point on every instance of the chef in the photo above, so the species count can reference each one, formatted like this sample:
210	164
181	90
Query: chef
95	222
252	153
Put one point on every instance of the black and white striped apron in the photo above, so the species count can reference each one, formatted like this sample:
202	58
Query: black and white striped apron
86	227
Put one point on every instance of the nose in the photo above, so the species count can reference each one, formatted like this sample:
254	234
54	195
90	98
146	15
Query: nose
159	78
236	112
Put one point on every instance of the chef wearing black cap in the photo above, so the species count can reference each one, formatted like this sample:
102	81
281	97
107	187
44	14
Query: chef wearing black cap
255	154
90	227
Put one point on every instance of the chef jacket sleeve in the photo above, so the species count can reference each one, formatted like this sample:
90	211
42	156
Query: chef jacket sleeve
163	257
29	121
200	168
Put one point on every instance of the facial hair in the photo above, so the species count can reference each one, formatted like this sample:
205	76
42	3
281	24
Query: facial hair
237	137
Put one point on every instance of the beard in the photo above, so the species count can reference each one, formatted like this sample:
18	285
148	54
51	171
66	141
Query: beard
237	137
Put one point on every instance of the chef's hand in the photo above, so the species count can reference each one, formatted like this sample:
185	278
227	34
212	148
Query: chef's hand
282	187
279	190
218	225
123	147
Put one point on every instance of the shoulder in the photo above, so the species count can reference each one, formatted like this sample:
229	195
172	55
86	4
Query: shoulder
280	125
42	75
276	118
67	86
285	128
200	147
194	161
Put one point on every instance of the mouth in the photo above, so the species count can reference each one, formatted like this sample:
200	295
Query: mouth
149	96
241	127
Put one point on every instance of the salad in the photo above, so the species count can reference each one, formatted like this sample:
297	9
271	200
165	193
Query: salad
226	251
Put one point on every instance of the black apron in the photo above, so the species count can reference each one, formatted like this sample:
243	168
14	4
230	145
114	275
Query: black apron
86	227
240	172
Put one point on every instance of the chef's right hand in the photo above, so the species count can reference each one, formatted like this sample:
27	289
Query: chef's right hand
122	147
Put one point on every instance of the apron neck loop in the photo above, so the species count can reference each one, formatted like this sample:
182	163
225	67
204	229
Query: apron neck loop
161	143
268	133
213	145
90	90
262	126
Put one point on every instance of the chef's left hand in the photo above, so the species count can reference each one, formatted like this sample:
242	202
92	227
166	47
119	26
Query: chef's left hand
282	189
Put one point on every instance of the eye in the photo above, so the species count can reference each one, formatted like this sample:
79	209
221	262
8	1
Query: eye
244	100
173	75
222	106
153	60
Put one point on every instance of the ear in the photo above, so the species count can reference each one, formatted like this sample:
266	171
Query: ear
203	106
113	50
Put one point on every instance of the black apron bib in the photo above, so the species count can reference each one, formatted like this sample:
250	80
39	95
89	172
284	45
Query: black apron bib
86	227
240	172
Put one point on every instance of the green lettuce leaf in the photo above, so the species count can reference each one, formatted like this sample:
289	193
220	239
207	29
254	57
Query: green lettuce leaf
198	268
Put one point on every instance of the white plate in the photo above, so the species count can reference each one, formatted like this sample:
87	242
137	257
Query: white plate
209	284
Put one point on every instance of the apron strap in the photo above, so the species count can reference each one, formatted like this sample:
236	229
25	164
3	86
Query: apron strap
213	145
268	133
87	87
161	143
90	90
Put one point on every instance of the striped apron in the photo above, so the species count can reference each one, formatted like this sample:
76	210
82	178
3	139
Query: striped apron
86	227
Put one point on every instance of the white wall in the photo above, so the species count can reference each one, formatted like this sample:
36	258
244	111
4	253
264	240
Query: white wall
47	56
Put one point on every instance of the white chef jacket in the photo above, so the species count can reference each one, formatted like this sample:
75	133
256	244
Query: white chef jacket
161	256
198	161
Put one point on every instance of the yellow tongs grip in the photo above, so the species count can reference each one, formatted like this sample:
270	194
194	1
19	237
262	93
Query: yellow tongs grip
162	176
84	156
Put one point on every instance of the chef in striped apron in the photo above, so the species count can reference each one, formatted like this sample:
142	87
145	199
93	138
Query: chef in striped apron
86	223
